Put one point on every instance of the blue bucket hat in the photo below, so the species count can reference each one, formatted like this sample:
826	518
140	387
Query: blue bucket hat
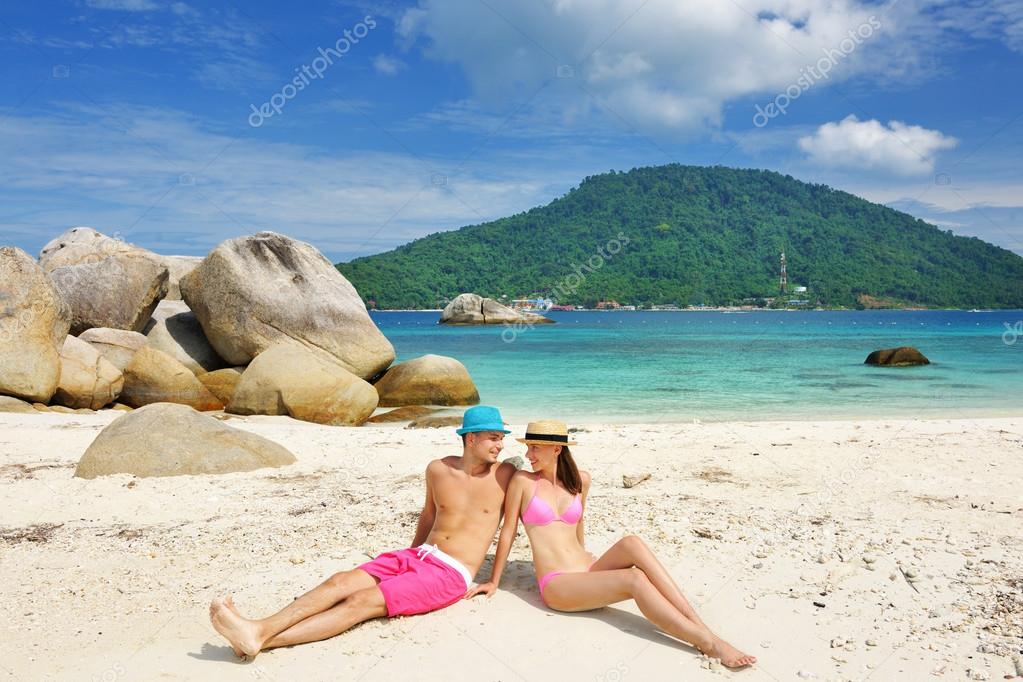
481	418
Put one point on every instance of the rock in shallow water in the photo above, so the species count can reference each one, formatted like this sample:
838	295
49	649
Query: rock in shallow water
902	356
474	309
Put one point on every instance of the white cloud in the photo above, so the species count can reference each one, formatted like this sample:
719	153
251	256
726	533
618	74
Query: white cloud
387	65
1002	226
120	169
220	46
183	10
870	145
337	105
997	20
124	5
663	66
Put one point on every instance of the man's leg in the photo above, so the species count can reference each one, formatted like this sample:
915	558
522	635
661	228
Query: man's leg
361	606
250	636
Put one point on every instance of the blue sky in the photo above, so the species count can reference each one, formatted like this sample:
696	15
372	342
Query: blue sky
146	119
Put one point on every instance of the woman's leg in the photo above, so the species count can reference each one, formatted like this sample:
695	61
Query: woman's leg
586	591
632	551
250	636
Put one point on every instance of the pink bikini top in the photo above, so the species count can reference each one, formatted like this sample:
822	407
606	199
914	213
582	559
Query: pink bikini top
539	513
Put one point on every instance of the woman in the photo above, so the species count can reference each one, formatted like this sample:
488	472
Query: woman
551	501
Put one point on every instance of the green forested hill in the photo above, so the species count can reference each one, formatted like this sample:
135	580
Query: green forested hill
696	235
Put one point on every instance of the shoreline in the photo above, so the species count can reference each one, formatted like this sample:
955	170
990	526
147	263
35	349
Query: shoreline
721	309
755	520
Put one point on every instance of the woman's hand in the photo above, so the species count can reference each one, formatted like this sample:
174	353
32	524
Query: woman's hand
488	588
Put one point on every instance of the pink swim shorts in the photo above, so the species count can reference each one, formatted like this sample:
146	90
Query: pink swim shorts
418	580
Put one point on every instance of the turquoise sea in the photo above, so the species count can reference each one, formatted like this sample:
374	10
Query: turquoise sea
678	366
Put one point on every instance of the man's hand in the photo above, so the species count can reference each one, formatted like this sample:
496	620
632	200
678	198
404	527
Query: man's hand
488	589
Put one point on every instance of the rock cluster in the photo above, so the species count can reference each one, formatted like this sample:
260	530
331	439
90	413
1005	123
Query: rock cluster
265	325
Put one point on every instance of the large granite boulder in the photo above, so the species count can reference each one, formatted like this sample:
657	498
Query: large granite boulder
403	414
106	281
163	310
178	267
436	421
902	356
289	379
120	291
428	380
34	321
9	404
87	379
118	346
181	337
81	245
474	309
222	382
254	292
174	440
152	376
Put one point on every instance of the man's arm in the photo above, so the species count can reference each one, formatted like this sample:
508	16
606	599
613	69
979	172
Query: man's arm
429	513
509	528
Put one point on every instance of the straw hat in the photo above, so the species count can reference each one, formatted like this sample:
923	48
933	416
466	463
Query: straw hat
546	432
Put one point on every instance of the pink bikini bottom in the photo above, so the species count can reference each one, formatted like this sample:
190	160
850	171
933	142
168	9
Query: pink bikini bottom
546	578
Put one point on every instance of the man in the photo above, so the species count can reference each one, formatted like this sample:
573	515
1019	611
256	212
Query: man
464	504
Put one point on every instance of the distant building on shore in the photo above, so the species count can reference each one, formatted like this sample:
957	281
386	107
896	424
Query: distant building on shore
530	304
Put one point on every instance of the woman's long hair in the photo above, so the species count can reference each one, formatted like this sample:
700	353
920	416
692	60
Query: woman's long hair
568	472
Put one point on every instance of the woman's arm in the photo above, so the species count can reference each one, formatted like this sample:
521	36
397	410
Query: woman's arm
579	530
512	504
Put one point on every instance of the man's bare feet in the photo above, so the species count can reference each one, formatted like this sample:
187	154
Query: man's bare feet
730	656
242	634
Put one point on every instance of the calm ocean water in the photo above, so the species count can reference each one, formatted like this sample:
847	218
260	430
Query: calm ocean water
679	366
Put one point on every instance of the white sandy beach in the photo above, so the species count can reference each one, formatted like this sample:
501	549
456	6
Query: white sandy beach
110	579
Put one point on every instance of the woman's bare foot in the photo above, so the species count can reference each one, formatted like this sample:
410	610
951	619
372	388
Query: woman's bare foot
730	656
242	634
